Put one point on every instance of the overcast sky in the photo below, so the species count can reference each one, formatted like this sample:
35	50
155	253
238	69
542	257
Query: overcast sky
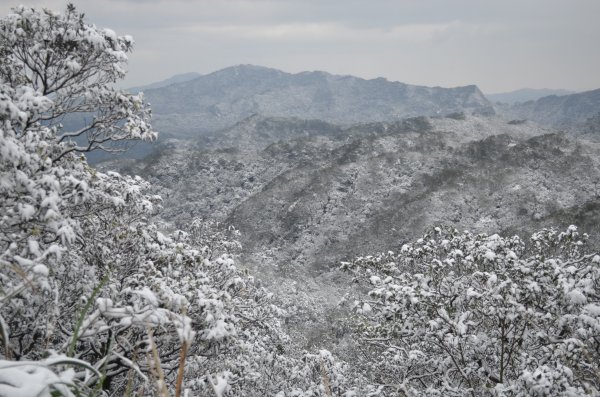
500	45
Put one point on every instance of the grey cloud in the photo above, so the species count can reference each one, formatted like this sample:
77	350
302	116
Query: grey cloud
499	45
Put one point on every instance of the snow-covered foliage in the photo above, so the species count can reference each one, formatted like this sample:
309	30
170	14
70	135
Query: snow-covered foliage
456	314
54	65
94	298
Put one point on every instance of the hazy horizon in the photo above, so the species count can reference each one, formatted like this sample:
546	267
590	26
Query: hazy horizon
183	73
500	46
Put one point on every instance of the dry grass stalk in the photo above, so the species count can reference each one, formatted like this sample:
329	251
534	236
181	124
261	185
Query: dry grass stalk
182	355
156	368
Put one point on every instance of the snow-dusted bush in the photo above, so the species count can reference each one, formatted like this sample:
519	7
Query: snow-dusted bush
456	314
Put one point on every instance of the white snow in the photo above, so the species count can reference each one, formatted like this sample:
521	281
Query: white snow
576	297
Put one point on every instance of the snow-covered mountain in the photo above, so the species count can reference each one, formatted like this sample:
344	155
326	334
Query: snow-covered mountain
219	100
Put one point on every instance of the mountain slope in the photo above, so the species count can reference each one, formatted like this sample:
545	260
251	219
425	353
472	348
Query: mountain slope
348	189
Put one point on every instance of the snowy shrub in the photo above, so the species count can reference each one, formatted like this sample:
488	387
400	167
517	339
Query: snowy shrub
456	314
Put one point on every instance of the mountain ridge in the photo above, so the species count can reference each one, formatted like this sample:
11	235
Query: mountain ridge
175	79
220	99
559	111
526	94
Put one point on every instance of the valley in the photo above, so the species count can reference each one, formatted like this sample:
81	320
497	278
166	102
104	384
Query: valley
306	194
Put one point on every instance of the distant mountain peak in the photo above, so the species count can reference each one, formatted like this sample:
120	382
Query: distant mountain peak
246	68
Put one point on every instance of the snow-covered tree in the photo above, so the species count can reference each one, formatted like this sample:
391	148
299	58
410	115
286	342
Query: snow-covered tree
64	59
54	275
457	314
94	298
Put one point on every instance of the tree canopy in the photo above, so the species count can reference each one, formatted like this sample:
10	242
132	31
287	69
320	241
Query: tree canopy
456	314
